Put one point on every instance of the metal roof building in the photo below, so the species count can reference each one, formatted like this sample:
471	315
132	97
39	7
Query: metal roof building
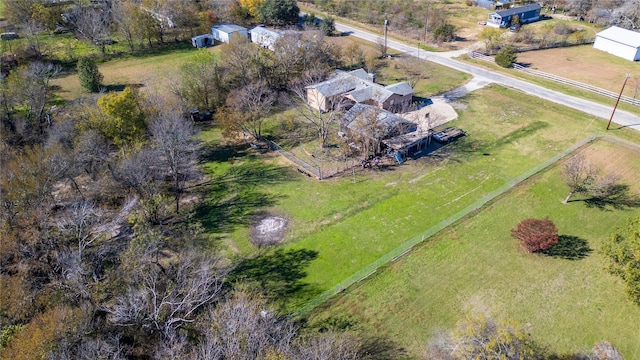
619	42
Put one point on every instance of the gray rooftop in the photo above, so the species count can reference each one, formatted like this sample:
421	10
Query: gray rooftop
519	10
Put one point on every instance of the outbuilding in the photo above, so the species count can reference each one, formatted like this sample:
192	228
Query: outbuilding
505	18
226	32
202	41
619	42
264	36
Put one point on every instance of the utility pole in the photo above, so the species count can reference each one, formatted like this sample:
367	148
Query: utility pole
617	101
426	24
386	23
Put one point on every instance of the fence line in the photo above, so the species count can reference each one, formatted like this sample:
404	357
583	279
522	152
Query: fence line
599	91
301	165
406	247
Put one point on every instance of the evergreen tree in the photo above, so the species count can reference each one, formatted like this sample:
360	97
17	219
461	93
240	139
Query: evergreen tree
90	77
506	57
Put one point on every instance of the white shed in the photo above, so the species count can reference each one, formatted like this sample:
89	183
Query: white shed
225	32
619	42
264	37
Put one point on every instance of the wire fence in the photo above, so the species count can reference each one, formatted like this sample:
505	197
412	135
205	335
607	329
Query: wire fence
302	166
577	84
406	247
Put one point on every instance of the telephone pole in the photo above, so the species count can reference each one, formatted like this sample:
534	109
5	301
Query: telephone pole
617	101
386	23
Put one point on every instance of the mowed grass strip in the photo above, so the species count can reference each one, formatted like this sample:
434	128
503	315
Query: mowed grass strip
476	267
350	225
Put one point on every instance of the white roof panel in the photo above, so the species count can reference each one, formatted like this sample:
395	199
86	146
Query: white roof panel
621	35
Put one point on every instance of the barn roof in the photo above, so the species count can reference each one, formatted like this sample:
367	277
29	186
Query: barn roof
519	10
228	28
620	35
262	30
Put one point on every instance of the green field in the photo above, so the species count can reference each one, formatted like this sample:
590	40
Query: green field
341	226
568	301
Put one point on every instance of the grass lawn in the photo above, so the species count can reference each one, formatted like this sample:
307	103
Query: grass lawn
475	267
346	226
155	71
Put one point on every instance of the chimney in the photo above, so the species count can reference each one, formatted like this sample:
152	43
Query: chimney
371	77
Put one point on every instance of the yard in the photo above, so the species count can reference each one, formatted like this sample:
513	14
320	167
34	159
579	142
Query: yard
343	226
585	64
567	301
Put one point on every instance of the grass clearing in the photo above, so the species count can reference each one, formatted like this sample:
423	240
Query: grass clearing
475	267
154	71
552	85
350	225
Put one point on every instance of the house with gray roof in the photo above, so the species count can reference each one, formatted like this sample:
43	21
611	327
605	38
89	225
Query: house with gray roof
506	18
358	87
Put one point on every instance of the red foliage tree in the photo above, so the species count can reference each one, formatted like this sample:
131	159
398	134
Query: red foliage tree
536	234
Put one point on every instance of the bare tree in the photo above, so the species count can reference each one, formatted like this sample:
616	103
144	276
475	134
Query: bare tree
124	17
167	298
321	121
81	224
91	23
139	171
172	136
243	327
328	346
579	175
414	68
250	105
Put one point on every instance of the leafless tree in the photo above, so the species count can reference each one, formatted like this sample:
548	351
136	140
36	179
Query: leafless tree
367	130
321	121
123	14
169	297
81	223
579	175
328	346
91	23
242	327
414	68
172	136
251	104
139	171
92	152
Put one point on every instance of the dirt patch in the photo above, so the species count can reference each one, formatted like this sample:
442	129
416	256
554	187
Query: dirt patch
431	116
268	230
587	65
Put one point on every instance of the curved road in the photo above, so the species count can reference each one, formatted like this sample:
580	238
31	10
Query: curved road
483	76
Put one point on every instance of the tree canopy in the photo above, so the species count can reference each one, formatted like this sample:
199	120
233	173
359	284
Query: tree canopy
279	12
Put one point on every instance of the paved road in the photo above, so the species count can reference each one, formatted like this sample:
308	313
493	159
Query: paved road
483	76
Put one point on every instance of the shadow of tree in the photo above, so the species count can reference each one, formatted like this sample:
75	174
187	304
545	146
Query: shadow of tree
277	274
569	247
618	197
235	196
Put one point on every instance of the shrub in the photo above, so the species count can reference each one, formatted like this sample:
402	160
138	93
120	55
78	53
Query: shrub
445	33
506	57
536	234
90	77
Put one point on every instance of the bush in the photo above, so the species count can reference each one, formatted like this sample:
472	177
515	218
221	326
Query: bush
90	77
445	33
506	57
536	234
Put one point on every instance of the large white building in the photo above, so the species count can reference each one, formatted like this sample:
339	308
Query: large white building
264	37
619	42
226	32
